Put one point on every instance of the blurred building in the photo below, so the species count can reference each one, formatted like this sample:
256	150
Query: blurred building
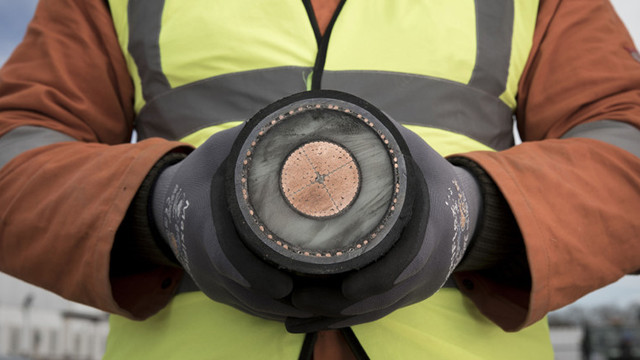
605	332
38	325
603	342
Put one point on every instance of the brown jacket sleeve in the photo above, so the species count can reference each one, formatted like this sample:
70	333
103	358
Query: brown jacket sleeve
576	200
60	205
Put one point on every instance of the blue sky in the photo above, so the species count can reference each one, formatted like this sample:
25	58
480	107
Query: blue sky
15	14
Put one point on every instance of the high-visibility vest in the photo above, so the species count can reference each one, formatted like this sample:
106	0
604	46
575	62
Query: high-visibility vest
448	70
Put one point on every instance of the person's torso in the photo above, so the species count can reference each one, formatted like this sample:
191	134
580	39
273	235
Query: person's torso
448	70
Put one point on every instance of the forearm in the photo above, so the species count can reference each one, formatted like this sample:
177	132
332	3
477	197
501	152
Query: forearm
68	170
577	219
497	248
572	186
138	245
69	211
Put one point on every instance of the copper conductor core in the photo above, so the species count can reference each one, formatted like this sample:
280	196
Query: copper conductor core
320	179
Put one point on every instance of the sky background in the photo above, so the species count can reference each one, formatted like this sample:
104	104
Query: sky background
15	15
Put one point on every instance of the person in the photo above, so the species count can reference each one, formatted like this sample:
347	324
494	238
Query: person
91	216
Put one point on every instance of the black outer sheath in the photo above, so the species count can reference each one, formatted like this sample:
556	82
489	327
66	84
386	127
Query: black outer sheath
279	260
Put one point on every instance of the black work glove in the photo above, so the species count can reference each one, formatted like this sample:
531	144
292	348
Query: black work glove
445	212
190	210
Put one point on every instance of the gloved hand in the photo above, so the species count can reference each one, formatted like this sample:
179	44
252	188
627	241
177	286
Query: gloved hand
190	211
445	213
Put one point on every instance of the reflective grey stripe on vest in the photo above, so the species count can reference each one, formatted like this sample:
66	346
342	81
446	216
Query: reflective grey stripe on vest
409	99
25	138
473	110
432	102
145	18
494	29
617	133
220	99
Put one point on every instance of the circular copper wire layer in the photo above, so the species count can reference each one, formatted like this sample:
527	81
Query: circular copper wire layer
319	183
320	179
294	179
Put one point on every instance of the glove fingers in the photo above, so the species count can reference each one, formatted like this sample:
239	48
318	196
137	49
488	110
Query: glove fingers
297	325
301	326
381	275
373	315
223	296
221	143
235	303
262	277
227	291
256	303
265	279
384	300
348	321
321	301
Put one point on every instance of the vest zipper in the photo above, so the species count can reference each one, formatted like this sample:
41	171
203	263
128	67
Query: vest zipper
306	353
316	84
313	20
354	344
322	40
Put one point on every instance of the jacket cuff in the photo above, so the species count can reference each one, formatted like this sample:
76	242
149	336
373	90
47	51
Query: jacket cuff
138	245
497	249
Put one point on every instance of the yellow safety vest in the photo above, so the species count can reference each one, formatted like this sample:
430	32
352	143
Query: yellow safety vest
448	70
